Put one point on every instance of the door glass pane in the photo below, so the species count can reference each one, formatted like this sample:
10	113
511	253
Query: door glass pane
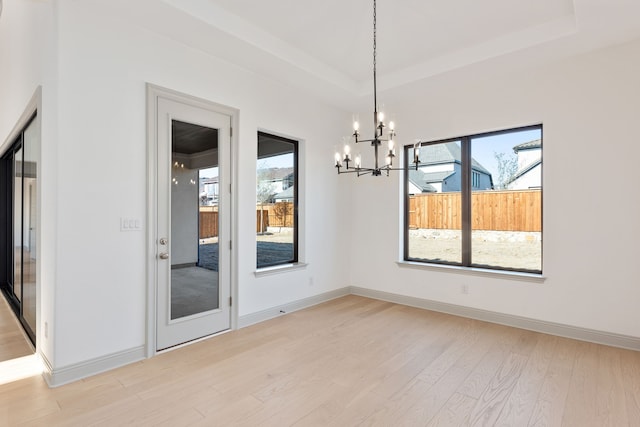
435	226
30	208
194	219
506	201
17	225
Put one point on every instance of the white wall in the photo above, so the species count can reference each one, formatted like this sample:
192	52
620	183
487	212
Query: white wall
104	65
532	179
589	108
28	49
184	216
527	157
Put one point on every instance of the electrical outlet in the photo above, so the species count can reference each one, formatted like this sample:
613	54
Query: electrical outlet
464	289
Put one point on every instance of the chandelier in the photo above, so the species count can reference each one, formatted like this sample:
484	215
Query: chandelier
378	138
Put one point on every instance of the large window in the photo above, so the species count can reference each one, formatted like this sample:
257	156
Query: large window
276	201
476	201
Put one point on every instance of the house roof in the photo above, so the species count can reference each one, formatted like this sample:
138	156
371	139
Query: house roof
524	170
448	152
212	180
536	143
423	180
286	194
431	177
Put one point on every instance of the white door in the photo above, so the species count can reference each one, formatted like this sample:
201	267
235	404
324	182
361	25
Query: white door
192	230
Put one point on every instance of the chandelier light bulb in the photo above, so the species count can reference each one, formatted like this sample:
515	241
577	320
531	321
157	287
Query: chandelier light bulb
338	159
358	161
356	126
380	117
416	152
392	125
391	145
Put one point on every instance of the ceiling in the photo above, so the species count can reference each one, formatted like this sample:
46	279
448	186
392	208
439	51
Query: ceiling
325	47
188	138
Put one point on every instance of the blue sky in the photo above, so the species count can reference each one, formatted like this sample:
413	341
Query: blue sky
483	149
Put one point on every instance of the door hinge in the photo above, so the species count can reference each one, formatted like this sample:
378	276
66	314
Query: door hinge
229	188
230	301
230	131
230	246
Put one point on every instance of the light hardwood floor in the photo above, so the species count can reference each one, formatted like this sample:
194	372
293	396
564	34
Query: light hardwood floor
13	342
352	361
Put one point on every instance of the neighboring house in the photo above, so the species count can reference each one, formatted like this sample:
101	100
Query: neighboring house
529	174
209	190
439	171
284	196
420	182
279	179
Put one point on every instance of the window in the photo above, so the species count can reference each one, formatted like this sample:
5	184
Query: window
476	201
276	201
475	176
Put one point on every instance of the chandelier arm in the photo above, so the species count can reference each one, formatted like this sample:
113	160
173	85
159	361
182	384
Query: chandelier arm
359	171
373	140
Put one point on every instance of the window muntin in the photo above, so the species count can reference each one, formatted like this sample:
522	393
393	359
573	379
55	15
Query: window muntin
276	201
494	220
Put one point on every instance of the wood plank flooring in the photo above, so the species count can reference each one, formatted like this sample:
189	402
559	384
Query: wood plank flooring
13	343
352	361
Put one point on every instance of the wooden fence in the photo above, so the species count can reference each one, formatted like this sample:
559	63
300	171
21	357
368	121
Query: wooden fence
512	210
274	215
208	221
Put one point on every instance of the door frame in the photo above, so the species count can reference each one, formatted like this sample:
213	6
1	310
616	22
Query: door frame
154	93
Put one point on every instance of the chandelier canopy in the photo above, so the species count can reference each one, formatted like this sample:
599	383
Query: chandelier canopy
378	138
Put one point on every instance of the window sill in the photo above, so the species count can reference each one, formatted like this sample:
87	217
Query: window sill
474	271
278	269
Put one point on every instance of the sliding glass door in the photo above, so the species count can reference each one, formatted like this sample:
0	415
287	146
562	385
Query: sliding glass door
18	191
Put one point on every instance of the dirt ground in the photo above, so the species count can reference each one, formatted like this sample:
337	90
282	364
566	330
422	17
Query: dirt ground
276	235
515	253
522	254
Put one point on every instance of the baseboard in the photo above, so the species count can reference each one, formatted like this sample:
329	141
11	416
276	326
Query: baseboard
567	331
67	374
270	313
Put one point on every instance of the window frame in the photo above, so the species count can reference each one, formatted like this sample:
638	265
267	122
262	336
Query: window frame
296	185
465	205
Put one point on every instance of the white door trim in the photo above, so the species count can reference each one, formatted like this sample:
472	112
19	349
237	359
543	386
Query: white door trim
153	94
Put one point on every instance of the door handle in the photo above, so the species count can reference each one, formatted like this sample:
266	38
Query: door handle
163	241
164	255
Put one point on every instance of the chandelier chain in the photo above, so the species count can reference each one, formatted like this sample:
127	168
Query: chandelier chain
375	96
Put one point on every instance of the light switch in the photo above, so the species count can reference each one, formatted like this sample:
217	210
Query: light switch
130	224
